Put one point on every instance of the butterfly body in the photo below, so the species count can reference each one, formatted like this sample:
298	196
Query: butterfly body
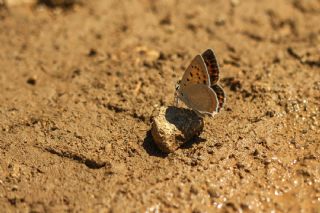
198	88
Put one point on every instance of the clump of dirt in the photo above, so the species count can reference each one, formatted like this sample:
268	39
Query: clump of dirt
59	3
79	88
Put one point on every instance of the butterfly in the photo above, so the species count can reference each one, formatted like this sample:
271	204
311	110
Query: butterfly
199	88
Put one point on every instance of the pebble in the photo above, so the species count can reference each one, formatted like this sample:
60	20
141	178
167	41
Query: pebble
60	3
11	3
174	126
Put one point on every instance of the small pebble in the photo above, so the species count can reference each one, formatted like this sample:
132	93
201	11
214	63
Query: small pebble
174	126
59	3
32	81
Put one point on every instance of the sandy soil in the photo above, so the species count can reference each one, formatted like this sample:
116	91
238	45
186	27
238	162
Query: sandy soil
79	86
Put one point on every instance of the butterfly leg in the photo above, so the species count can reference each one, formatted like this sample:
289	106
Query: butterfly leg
201	115
176	100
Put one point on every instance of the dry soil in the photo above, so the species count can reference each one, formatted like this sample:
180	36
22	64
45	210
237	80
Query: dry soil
79	86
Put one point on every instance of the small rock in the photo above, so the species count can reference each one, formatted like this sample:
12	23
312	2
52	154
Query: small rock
108	148
235	2
166	20
92	52
194	189
270	113
174	126
15	171
233	83
59	3
213	193
150	55
12	3
32	81
220	21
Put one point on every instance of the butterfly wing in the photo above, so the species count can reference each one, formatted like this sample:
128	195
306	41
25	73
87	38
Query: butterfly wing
196	73
194	89
213	70
220	95
212	65
200	98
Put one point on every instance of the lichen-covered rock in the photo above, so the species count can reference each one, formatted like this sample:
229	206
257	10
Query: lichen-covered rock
174	126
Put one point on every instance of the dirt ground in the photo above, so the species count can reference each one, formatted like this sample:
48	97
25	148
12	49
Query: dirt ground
79	86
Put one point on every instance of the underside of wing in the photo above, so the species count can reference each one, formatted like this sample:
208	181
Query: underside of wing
220	95
212	65
200	98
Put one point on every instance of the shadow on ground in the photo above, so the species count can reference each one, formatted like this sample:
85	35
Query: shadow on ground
151	148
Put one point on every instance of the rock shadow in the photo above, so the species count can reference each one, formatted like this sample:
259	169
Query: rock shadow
150	146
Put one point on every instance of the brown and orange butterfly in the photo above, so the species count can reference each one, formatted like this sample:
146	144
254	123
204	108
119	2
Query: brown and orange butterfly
199	88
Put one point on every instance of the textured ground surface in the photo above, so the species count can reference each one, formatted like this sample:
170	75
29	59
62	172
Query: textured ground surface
78	88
